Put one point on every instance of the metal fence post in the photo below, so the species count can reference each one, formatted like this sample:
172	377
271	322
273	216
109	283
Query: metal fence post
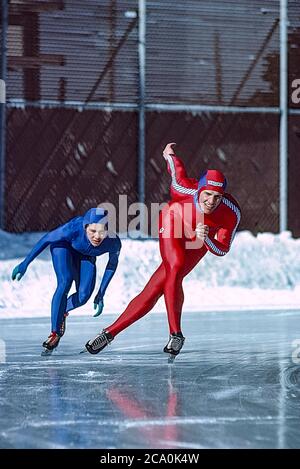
3	71
283	145
142	127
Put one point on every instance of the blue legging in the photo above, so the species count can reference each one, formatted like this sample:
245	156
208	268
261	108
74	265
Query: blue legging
69	266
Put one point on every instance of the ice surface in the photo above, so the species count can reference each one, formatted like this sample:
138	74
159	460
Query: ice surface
234	385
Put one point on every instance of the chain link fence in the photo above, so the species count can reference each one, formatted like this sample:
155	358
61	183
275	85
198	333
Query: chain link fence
211	85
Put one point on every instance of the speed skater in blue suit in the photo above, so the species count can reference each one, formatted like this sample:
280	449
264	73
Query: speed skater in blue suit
74	247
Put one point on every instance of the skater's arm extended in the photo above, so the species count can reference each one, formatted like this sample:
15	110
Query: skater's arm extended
181	184
62	233
109	272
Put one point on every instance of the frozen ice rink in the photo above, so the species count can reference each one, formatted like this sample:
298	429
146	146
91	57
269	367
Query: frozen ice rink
235	384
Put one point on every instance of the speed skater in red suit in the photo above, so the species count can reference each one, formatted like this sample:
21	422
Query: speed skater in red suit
200	217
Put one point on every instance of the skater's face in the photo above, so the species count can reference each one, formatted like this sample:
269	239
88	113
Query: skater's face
209	201
96	233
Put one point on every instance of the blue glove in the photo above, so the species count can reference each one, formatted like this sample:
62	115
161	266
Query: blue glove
98	306
18	272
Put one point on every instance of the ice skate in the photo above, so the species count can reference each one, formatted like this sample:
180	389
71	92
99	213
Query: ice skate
99	342
51	343
173	347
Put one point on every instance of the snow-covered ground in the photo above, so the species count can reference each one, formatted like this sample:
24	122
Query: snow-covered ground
259	273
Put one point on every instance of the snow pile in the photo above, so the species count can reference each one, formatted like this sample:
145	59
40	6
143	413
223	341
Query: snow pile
259	272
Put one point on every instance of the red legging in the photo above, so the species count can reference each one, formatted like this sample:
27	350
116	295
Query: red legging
166	280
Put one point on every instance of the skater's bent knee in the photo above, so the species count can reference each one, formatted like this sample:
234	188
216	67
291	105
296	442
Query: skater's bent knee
83	297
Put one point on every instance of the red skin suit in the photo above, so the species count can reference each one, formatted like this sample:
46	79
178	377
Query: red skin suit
180	249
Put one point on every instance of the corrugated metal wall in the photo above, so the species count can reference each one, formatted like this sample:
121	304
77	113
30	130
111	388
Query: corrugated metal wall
63	57
211	52
73	51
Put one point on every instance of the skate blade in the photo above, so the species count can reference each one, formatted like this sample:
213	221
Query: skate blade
46	352
171	358
83	351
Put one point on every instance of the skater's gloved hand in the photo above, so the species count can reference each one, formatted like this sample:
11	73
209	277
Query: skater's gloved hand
18	271
201	231
98	306
169	150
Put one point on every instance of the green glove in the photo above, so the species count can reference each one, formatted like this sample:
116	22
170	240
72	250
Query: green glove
18	272
99	308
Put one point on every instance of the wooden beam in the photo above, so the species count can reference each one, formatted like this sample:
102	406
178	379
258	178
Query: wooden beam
35	62
35	7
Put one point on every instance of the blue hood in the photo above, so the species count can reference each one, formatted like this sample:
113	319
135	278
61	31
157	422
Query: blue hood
95	215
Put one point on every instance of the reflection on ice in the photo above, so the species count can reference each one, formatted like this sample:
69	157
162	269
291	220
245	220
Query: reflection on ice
233	385
2	351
